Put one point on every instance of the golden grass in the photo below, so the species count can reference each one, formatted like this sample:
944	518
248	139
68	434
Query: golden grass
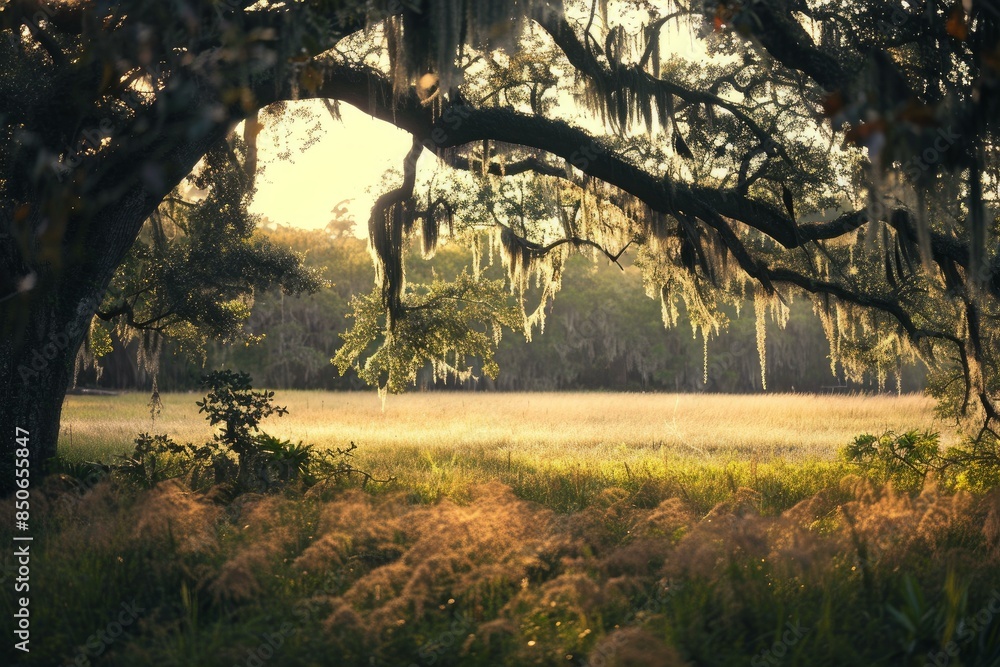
498	580
555	428
595	538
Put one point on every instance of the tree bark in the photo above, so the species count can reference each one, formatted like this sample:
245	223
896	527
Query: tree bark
43	325
37	369
46	323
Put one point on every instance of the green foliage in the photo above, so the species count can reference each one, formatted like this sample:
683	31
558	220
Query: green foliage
154	459
263	461
904	459
291	338
193	272
601	332
442	323
232	402
287	461
908	459
240	455
976	462
922	623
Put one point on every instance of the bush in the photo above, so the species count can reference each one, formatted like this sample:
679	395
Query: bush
240	455
976	463
904	459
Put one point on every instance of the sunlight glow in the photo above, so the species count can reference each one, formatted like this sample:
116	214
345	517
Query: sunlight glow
347	162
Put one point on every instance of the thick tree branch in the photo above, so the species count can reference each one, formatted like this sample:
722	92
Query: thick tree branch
460	124
787	41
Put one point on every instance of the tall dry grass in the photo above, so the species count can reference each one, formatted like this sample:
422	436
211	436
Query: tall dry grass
352	578
581	529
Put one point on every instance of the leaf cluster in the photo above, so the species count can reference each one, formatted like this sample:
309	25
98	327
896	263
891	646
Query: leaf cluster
240	457
444	323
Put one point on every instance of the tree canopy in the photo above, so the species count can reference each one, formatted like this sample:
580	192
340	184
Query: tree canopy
600	334
776	149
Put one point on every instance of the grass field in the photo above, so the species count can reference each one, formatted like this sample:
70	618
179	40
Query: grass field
521	529
560	449
556	427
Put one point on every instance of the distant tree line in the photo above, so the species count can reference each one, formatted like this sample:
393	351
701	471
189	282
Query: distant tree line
601	333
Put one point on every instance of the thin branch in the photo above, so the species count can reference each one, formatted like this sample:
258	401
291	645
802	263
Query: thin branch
539	250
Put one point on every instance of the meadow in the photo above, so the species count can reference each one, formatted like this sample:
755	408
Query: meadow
570	427
555	448
520	529
567	426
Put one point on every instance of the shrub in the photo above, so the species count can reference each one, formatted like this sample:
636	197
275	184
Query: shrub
240	455
904	459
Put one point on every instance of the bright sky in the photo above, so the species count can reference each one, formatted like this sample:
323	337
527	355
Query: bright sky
351	157
347	162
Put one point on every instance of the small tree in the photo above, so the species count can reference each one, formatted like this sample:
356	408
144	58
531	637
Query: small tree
232	402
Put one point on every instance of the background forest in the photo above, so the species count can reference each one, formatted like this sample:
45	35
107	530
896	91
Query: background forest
601	333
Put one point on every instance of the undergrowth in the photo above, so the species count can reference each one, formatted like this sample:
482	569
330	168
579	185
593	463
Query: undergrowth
495	560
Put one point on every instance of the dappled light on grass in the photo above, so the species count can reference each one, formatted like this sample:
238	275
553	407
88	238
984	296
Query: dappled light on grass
658	530
488	578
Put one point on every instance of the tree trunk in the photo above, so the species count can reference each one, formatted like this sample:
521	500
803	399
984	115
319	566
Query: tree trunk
36	370
44	322
43	325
